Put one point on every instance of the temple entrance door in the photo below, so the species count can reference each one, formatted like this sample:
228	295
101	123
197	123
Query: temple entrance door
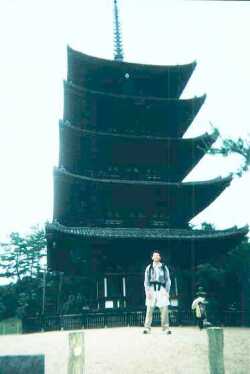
111	291
117	290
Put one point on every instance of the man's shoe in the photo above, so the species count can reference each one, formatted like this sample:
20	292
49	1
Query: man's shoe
146	331
167	331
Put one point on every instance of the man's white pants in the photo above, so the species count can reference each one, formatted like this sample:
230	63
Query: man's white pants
164	317
159	298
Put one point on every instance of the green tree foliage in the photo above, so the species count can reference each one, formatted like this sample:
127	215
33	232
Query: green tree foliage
8	301
210	276
238	271
207	226
203	226
22	261
12	257
22	256
227	279
230	146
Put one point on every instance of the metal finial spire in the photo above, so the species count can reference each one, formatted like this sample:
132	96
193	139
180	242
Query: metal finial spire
118	51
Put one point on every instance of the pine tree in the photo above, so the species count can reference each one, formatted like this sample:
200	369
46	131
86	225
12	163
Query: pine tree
22	255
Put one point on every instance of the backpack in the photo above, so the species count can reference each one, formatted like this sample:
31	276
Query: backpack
163	266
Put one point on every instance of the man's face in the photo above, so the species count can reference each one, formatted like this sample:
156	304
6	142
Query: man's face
156	257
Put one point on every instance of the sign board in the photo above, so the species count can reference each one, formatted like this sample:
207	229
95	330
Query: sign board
109	304
28	364
11	326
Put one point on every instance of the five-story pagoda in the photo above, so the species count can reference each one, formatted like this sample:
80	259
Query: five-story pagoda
118	190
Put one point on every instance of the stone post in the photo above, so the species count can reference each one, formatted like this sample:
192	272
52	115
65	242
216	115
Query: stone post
215	353
76	360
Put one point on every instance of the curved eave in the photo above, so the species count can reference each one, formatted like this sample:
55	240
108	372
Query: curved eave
175	203
212	182
173	158
203	138
92	60
84	91
120	113
142	79
143	233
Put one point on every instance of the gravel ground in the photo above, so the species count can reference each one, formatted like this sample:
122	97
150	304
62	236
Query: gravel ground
127	350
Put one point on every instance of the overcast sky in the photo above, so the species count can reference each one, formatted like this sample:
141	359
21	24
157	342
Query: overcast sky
34	35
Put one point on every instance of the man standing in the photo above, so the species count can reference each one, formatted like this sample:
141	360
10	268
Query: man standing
157	286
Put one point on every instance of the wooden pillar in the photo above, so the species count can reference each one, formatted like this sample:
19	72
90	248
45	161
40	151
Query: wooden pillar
193	268
44	292
59	293
242	304
216	347
76	360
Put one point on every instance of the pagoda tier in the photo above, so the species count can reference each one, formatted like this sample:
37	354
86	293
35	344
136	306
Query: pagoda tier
81	201
93	110
107	155
124	245
127	78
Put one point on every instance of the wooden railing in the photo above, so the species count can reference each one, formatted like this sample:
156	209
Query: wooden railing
119	318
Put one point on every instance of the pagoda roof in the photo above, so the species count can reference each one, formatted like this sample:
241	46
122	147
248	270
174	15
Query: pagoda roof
90	109
167	158
146	233
94	199
218	180
186	246
126	77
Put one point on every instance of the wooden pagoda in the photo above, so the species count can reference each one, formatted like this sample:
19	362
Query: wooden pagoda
118	189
